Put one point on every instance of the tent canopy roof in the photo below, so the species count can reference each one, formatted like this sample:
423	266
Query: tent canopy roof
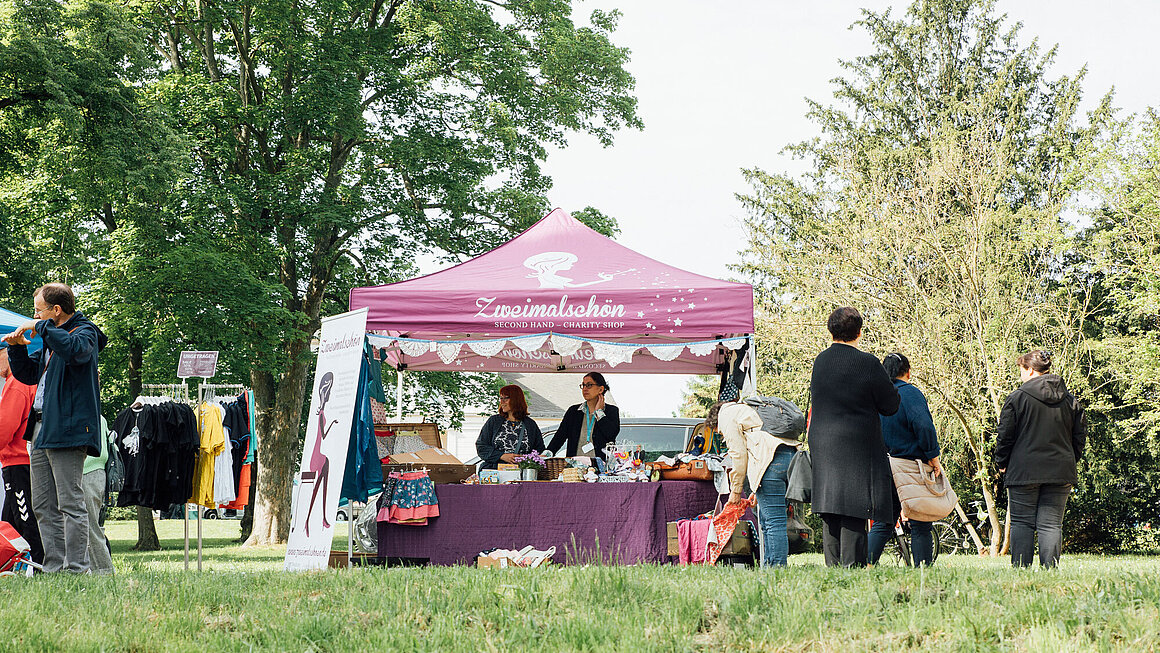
558	277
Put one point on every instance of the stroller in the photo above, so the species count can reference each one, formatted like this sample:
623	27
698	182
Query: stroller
15	553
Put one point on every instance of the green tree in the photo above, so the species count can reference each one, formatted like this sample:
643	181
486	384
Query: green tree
1118	256
934	204
335	140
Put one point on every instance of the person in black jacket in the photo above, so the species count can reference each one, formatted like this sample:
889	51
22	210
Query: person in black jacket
1042	431
509	433
852	481
589	426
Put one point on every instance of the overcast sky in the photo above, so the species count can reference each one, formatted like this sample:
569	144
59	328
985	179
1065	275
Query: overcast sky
722	86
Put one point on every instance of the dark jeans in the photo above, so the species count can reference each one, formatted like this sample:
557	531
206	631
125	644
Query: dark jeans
771	508
1036	508
18	508
844	540
921	541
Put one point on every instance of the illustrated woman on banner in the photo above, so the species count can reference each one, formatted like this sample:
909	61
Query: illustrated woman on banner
545	266
319	462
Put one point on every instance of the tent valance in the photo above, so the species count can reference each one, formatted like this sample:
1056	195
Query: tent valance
553	352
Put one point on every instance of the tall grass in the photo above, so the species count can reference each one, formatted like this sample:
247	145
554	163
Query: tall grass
245	603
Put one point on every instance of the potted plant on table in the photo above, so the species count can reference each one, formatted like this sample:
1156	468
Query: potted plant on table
530	465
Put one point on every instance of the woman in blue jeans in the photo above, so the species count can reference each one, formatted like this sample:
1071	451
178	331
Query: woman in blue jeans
1041	437
908	433
764	460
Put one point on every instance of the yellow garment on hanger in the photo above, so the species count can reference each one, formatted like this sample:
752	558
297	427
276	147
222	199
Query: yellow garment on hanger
213	441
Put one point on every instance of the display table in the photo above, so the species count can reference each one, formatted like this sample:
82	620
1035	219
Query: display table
626	519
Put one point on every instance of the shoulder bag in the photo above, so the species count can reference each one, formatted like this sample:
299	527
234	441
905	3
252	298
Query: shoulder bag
923	497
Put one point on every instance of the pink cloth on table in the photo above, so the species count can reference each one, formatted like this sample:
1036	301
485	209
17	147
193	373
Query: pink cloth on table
692	540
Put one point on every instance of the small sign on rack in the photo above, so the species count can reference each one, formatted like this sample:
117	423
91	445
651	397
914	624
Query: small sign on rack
201	364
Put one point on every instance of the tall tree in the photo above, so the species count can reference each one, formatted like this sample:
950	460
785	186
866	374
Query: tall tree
338	136
934	204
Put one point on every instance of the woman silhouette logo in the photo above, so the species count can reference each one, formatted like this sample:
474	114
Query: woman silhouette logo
545	265
319	466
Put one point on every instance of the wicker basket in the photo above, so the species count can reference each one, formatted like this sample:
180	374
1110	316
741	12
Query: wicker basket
553	468
571	475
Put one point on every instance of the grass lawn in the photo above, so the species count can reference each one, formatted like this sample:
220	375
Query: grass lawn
244	602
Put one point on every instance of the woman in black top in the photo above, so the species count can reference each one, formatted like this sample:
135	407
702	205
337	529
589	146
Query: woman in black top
852	481
589	426
1041	437
510	433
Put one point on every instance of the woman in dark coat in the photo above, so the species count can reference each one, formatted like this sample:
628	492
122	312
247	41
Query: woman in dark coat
509	433
589	426
1042	432
908	433
852	482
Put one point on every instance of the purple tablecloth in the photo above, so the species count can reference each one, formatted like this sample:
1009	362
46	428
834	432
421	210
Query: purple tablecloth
627	519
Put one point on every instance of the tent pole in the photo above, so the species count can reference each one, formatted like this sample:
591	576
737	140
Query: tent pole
399	396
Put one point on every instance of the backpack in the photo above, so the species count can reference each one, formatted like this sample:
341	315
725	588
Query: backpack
114	469
779	417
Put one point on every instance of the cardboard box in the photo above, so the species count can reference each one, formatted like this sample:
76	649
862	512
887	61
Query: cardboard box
440	465
485	562
742	543
435	456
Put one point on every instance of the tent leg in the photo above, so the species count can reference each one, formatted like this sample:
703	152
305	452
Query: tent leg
399	396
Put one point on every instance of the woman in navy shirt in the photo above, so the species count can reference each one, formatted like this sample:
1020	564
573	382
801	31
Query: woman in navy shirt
910	434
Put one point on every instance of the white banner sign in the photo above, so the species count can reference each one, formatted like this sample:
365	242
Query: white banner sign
319	481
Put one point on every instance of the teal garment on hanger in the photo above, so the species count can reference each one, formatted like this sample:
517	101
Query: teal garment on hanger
364	471
253	429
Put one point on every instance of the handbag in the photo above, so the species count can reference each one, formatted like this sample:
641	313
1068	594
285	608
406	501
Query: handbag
114	469
923	497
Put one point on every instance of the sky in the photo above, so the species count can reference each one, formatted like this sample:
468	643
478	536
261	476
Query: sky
723	85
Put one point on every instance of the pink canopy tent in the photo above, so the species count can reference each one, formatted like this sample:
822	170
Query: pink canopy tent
559	297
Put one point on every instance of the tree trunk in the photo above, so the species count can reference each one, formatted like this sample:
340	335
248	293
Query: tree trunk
279	417
146	531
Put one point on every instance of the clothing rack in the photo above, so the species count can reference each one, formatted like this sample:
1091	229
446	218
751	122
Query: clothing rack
205	392
177	392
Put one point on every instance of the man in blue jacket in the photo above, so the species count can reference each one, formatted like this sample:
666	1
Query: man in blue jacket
65	419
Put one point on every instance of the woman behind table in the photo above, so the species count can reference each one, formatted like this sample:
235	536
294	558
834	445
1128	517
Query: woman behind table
1041	437
764	460
509	433
909	434
852	480
589	426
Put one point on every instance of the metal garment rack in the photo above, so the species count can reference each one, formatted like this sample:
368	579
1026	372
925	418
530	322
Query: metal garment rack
206	392
177	392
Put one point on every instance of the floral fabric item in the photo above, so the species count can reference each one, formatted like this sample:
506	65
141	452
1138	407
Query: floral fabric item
412	501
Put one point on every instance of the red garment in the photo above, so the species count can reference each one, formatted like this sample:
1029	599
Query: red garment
244	480
723	525
15	403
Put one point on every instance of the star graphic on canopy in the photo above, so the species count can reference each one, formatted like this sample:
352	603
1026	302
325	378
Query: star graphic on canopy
648	325
640	313
677	321
692	305
461	362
